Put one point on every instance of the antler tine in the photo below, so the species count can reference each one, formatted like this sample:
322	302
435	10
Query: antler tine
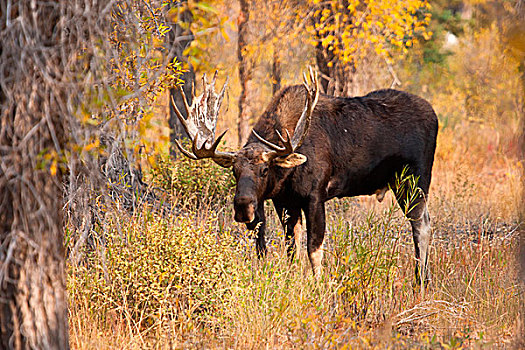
205	84
305	80
287	144
185	100
184	151
312	96
316	81
223	90
283	140
272	146
182	120
214	77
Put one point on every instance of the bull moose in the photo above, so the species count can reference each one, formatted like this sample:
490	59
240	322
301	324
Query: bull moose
339	147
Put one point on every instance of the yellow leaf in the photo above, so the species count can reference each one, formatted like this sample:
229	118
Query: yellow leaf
53	168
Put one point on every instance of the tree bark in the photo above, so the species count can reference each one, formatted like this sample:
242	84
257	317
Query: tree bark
33	307
521	155
521	251
245	72
336	77
521	141
180	38
520	32
276	71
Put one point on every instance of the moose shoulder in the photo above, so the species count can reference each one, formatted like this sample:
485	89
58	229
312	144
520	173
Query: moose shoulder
339	147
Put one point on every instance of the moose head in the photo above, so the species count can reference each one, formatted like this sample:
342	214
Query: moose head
254	166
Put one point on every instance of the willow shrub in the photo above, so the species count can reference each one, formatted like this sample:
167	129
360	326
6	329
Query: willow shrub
192	183
152	270
366	263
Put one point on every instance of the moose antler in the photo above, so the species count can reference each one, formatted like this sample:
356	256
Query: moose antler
301	129
201	123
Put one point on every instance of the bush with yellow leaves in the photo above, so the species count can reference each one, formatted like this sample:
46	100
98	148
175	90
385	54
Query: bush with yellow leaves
153	270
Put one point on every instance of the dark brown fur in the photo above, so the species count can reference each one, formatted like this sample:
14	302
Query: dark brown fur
354	146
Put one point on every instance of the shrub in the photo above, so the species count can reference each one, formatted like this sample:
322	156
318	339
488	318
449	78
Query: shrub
366	261
158	270
193	183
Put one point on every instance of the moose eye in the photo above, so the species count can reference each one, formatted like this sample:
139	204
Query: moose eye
264	171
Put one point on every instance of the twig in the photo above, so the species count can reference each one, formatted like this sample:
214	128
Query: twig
4	266
153	15
396	80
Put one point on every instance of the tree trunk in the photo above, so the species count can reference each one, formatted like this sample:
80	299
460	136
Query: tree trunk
515	36
276	71
180	38
33	307
337	78
521	140
520	332
322	60
245	72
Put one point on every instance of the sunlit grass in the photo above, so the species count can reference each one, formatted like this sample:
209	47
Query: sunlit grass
193	279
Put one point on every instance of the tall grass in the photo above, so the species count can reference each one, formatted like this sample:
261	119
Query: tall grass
193	280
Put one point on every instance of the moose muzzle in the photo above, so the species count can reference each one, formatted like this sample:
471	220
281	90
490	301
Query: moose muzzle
244	207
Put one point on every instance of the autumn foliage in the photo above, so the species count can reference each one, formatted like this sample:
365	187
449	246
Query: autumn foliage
353	29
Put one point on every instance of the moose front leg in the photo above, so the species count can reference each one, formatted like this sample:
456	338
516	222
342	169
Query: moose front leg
291	221
259	224
315	228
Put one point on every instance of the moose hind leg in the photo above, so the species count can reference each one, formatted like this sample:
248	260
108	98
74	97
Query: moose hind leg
315	230
414	204
421	233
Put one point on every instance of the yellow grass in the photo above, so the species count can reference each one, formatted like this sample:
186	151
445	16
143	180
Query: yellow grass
365	297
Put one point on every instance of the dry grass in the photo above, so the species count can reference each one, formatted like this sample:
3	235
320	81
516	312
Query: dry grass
365	297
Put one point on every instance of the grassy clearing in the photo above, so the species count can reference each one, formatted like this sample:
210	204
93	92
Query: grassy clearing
193	279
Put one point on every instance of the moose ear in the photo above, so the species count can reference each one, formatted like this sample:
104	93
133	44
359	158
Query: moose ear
290	161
